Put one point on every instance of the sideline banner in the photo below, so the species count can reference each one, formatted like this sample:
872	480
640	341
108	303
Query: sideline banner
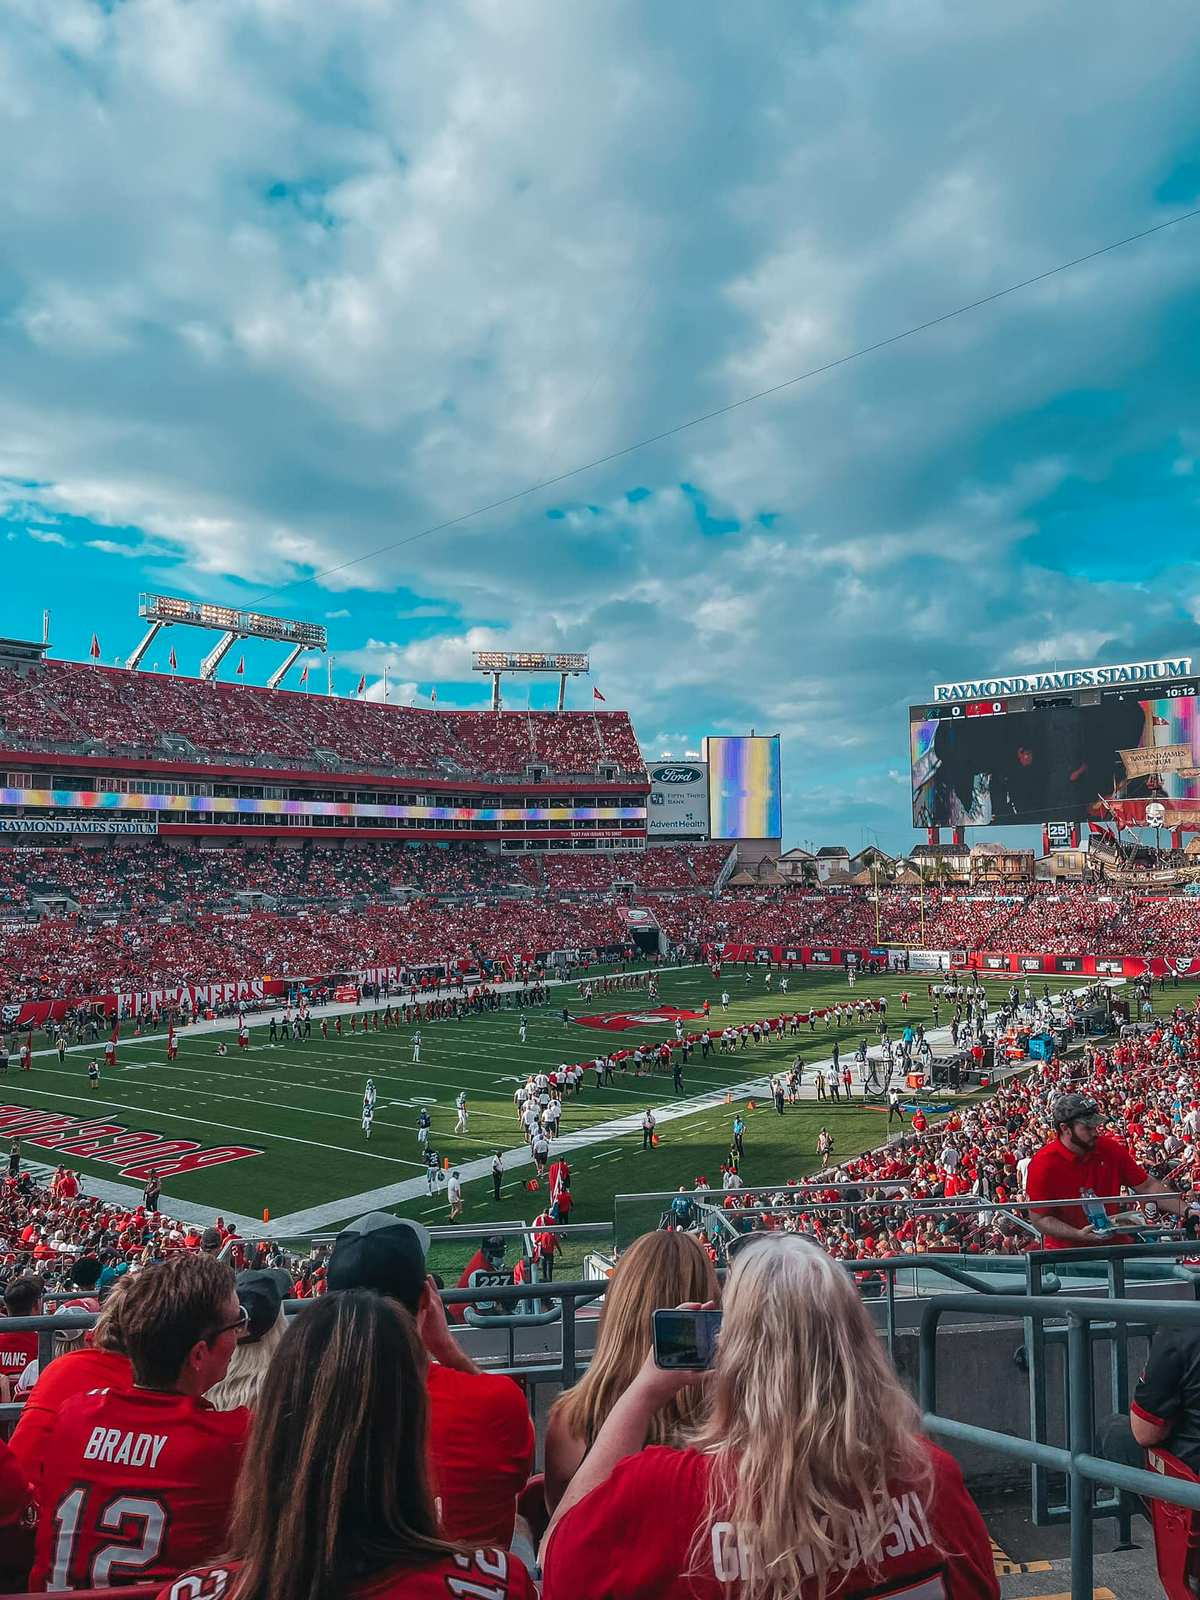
929	961
794	955
1026	963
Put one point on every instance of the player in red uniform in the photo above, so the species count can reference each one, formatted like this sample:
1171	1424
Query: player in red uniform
336	1496
136	1485
172	1047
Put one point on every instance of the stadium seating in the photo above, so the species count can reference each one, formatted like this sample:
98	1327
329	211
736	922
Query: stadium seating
66	706
1135	1081
154	912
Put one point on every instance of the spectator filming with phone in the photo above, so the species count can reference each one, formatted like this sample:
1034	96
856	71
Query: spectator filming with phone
806	1475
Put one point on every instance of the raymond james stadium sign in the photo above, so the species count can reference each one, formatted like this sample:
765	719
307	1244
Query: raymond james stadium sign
74	825
1081	678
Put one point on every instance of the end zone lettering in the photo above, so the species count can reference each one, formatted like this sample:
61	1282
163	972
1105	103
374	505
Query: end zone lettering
135	1155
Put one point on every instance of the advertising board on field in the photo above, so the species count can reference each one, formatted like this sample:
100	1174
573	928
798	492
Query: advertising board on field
678	805
929	961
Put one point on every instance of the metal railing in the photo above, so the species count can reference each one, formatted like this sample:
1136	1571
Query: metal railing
1082	1467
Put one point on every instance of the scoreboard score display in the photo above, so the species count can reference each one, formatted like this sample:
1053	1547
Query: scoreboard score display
1037	758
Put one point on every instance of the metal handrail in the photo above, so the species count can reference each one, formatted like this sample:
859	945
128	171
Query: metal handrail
1082	1467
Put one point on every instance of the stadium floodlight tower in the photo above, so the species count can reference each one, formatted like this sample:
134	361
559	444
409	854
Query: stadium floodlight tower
494	662
165	611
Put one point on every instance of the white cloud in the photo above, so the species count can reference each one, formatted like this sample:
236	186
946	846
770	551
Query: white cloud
46	536
384	268
110	547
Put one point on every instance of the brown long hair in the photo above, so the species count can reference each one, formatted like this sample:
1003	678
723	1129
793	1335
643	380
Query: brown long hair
334	1486
658	1270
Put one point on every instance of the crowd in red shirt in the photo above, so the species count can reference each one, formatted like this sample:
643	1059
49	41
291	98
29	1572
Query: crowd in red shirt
1148	1086
153	914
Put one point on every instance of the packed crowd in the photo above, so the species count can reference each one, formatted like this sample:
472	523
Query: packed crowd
66	705
944	1188
1062	918
200	1439
153	916
152	874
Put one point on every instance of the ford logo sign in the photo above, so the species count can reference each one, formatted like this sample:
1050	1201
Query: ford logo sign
676	774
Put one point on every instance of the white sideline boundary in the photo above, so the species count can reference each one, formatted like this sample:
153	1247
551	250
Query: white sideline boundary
319	1218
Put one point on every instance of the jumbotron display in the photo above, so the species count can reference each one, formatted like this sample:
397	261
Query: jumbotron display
1094	754
744	789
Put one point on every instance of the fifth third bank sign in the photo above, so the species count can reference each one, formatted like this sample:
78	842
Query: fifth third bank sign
678	800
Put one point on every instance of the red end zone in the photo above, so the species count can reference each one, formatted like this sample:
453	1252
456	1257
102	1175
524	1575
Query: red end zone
652	1016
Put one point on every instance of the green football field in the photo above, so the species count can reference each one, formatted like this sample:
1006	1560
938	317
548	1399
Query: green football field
298	1107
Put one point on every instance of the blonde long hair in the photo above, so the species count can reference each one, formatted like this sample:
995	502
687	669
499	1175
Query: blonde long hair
243	1383
658	1270
809	1426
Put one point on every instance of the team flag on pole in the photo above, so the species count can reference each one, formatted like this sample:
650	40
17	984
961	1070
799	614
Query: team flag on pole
362	685
596	695
94	652
433	695
174	663
241	667
304	675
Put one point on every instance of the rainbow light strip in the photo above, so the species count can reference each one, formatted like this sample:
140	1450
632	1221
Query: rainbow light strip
744	800
185	805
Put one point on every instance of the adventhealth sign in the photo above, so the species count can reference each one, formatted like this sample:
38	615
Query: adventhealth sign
1081	678
678	802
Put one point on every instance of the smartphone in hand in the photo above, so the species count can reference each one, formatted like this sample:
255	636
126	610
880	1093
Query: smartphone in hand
686	1341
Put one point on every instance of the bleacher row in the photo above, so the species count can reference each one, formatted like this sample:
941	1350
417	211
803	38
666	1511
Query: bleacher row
153	914
63	705
152	874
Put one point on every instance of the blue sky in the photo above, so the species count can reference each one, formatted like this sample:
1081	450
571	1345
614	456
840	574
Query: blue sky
281	284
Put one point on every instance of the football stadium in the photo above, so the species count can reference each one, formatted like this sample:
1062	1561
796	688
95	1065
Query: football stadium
599	801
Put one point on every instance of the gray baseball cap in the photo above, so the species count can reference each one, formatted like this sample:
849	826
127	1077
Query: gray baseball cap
1074	1107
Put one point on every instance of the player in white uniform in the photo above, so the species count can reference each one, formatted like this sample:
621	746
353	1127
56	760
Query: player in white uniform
521	1030
368	1117
460	1104
416	1045
724	1000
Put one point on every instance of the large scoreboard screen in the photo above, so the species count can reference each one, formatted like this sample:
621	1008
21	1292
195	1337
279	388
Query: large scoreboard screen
745	798
1070	757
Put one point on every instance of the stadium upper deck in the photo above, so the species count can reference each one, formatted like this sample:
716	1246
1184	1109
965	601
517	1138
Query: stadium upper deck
68	709
155	754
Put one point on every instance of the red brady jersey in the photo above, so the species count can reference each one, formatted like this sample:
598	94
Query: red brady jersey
134	1486
482	1575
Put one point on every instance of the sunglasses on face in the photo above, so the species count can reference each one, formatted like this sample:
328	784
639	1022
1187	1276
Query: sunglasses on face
240	1326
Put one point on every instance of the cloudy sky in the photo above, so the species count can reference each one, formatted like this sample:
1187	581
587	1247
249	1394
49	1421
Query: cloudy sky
284	285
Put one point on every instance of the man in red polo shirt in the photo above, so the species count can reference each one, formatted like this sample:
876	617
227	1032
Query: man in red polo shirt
1079	1164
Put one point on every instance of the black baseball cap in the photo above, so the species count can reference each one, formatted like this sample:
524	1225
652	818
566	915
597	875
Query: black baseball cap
1075	1107
383	1253
262	1293
85	1273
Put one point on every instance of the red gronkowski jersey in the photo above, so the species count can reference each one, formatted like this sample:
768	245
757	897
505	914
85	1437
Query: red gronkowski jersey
631	1539
134	1486
482	1575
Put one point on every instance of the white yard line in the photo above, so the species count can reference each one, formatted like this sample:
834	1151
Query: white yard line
319	1218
